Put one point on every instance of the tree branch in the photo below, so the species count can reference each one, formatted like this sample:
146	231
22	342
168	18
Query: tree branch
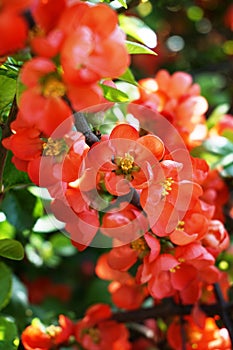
6	132
167	309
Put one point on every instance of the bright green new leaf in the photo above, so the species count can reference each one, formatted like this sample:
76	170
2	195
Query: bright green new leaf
62	245
217	114
219	145
7	88
136	48
5	285
114	95
128	77
138	30
11	249
9	339
123	3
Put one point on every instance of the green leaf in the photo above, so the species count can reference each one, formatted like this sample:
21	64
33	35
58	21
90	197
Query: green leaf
216	115
7	88
114	95
48	223
138	30
62	245
219	145
13	176
5	285
128	77
136	48
123	3
18	206
18	305
9	339
11	249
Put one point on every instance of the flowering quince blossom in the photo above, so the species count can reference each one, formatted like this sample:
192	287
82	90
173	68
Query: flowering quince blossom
96	331
208	337
176	98
38	337
125	159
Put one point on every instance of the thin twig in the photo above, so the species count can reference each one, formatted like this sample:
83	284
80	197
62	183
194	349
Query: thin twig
227	321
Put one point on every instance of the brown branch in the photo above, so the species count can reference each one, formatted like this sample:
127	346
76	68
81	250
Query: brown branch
6	132
167	309
227	321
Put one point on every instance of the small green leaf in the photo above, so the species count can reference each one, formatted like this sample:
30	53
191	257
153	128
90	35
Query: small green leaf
138	30
114	95
123	3
13	176
11	249
18	206
136	48
62	245
5	285
219	145
128	77
217	114
7	88
9	339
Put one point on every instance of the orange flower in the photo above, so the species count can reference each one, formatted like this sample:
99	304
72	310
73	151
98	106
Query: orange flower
96	331
38	337
13	25
177	99
210	337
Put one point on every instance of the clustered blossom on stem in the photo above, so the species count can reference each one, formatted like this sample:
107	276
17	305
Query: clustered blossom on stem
163	213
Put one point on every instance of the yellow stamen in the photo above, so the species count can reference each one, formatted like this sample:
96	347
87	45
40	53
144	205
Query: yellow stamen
167	186
180	226
53	331
94	334
140	246
126	165
54	88
54	147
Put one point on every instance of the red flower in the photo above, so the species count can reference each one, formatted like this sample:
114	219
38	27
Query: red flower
97	332
13	25
92	33
176	98
210	337
125	159
38	337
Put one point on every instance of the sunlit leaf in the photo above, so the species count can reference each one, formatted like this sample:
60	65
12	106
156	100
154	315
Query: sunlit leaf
114	95
136	48
7	88
123	3
128	77
9	339
216	115
219	145
138	30
62	245
11	249
5	284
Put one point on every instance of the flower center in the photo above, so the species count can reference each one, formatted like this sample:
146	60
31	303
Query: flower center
94	334
180	226
54	147
140	246
167	186
53	331
54	88
126	165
